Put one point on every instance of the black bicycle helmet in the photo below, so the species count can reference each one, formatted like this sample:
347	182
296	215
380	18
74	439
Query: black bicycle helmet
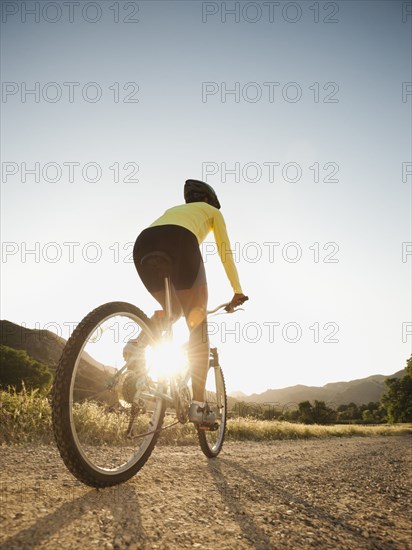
198	191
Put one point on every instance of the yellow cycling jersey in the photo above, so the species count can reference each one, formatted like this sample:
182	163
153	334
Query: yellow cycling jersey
200	218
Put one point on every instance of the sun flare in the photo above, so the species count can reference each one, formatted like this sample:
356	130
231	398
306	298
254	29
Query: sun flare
166	359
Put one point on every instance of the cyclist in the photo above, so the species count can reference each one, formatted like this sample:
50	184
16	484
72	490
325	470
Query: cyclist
178	233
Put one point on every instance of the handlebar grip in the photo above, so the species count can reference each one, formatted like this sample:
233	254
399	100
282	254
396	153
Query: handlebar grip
230	308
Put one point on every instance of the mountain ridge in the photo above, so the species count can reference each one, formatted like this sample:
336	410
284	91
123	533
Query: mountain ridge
359	391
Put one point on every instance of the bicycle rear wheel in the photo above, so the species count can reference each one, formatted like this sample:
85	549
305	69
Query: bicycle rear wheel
106	417
211	440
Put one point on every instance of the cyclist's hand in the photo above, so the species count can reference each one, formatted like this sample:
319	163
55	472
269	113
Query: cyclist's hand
236	301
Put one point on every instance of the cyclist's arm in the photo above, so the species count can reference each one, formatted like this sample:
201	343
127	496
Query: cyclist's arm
225	252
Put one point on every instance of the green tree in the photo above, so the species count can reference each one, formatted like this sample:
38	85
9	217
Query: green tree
17	367
349	412
322	414
367	416
398	398
318	413
306	412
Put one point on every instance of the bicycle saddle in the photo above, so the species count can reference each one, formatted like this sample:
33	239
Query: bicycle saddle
159	261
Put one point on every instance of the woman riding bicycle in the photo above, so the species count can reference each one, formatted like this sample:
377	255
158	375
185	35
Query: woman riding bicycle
178	233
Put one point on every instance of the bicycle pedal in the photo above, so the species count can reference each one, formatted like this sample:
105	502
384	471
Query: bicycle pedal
208	427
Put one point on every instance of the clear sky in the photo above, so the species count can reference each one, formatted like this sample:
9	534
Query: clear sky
298	113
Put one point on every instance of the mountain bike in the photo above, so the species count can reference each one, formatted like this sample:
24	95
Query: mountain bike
108	413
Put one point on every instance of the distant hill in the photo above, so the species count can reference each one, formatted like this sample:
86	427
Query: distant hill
46	347
42	345
360	391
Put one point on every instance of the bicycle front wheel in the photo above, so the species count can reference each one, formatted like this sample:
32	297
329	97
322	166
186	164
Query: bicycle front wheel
107	414
211	440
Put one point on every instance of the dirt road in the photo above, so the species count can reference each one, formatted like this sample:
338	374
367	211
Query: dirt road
335	493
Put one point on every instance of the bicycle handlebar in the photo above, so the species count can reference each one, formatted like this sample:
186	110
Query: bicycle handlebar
227	307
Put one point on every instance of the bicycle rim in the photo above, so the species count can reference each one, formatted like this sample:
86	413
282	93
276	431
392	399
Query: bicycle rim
106	417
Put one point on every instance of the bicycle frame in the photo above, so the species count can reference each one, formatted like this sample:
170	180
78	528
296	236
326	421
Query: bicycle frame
177	382
174	389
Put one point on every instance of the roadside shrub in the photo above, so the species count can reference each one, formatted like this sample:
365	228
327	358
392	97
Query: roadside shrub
18	368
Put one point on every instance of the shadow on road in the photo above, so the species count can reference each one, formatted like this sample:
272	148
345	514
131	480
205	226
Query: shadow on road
262	488
121	501
232	500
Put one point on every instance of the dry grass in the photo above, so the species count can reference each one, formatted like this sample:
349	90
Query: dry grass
94	427
263	430
26	417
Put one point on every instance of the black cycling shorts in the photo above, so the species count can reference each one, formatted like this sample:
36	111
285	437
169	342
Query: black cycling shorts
181	246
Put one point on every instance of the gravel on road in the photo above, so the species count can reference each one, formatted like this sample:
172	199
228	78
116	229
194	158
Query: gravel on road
331	493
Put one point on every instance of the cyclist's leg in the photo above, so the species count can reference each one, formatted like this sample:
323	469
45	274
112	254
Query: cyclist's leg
194	304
